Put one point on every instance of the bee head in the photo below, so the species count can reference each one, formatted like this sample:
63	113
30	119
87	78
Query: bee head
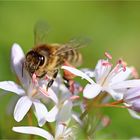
33	61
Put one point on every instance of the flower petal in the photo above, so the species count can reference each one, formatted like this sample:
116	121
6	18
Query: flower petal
22	107
60	130
52	95
126	84
134	114
17	57
65	112
121	76
101	71
91	90
77	118
116	95
33	130
58	81
78	73
132	95
40	112
12	87
51	115
136	106
88	72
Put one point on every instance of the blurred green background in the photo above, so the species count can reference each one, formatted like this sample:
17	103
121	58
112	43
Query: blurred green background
112	26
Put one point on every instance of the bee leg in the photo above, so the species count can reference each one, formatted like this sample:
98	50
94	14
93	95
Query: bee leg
50	84
66	82
52	80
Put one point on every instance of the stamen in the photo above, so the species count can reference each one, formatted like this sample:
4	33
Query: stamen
120	61
74	98
106	63
34	79
108	55
116	69
124	69
124	64
43	91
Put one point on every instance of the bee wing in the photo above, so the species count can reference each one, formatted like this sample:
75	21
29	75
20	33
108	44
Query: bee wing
73	44
41	30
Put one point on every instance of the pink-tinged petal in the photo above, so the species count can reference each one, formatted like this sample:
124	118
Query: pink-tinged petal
51	115
33	130
52	95
116	95
121	76
17	60
11	87
65	112
132	95
22	107
91	91
134	114
78	73
40	112
126	84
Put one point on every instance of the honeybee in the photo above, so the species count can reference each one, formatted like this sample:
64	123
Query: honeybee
46	59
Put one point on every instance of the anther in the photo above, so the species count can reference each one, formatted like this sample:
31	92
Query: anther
108	55
106	63
34	79
74	98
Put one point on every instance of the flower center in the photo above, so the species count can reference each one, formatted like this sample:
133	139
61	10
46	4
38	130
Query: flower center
108	76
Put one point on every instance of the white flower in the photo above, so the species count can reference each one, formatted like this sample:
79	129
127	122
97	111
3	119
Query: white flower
63	108
112	81
30	92
62	132
132	101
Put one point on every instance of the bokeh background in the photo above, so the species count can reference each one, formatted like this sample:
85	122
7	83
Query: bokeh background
112	26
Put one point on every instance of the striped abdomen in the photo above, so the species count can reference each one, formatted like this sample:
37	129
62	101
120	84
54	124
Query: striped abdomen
73	57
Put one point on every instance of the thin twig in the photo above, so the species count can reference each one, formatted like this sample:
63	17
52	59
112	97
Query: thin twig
50	128
30	122
113	104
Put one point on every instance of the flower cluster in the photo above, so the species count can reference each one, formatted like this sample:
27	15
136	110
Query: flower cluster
58	105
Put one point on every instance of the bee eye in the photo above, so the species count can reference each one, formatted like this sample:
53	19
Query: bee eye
42	60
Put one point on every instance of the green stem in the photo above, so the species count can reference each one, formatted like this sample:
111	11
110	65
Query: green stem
30	122
110	105
50	128
113	104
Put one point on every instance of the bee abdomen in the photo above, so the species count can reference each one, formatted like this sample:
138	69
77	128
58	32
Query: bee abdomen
73	57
